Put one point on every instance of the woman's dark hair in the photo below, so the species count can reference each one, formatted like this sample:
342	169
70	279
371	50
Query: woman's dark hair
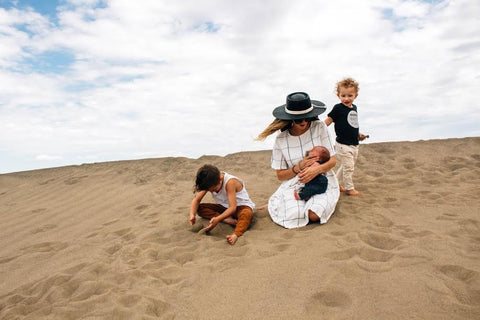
207	176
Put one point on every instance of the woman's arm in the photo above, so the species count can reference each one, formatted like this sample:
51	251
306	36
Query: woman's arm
315	169
287	174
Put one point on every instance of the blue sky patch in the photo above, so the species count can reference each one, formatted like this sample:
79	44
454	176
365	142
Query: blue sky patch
44	7
49	62
47	8
208	27
398	22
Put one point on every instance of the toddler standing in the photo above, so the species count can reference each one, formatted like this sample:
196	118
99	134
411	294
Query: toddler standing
345	117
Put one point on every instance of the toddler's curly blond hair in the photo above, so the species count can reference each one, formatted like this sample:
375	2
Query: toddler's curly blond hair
347	83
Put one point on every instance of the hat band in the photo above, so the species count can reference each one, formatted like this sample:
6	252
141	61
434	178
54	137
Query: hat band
299	112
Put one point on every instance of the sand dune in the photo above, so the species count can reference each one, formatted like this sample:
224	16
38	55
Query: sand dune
111	241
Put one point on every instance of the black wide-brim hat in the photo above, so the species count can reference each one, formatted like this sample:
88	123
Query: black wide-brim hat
299	106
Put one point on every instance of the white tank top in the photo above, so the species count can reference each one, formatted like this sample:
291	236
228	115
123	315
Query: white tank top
242	196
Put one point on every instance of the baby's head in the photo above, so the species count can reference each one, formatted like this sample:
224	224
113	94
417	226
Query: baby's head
321	152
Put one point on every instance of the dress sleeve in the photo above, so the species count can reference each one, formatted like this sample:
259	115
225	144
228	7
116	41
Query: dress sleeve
325	139
278	160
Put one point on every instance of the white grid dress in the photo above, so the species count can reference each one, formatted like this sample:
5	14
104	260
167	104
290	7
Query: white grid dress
289	150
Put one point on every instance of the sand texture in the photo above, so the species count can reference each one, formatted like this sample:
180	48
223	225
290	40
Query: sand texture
111	241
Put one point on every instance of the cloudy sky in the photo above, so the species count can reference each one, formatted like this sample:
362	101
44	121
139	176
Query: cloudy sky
85	81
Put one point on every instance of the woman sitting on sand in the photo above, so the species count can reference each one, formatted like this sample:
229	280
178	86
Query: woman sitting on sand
300	131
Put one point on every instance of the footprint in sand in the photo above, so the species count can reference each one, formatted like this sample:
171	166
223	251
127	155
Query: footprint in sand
328	299
44	228
142	207
125	234
275	250
6	260
379	240
113	249
45	247
74	180
366	254
46	182
157	308
462	282
409	166
376	174
110	222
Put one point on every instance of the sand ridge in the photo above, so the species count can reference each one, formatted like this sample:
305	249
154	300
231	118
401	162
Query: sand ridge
111	241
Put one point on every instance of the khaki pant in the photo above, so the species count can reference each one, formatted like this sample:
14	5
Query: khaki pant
347	156
244	215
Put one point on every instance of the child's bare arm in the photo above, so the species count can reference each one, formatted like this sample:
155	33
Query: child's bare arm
232	187
194	206
328	121
362	136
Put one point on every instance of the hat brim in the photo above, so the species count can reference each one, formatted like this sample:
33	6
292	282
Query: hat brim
318	108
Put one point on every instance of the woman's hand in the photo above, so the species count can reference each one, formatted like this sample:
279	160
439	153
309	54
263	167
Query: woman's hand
307	174
307	161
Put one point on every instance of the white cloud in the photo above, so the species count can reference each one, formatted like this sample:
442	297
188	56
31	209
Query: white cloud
42	157
169	78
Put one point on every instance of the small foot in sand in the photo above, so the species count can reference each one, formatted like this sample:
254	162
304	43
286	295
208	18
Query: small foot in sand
232	238
342	189
230	221
352	192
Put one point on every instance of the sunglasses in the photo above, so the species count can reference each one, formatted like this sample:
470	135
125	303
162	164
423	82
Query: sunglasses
298	121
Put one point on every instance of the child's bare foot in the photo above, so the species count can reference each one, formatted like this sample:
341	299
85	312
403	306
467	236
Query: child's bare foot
232	238
265	206
352	192
295	194
231	221
342	189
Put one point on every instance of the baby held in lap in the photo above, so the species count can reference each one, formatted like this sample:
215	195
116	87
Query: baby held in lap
319	183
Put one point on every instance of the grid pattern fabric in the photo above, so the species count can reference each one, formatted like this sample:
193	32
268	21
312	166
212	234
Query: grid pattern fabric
289	150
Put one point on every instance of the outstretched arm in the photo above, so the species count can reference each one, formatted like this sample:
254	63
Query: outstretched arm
362	136
328	121
194	206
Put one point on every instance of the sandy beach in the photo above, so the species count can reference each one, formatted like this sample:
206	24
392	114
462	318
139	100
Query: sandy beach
111	241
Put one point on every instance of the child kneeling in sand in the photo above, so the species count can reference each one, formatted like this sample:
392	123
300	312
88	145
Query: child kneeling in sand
319	183
233	203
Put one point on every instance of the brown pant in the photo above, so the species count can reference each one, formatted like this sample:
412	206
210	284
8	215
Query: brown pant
244	215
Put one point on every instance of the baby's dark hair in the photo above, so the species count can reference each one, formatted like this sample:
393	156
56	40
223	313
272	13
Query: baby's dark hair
323	153
207	176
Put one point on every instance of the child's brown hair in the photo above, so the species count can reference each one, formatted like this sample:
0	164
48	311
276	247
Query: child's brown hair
207	176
